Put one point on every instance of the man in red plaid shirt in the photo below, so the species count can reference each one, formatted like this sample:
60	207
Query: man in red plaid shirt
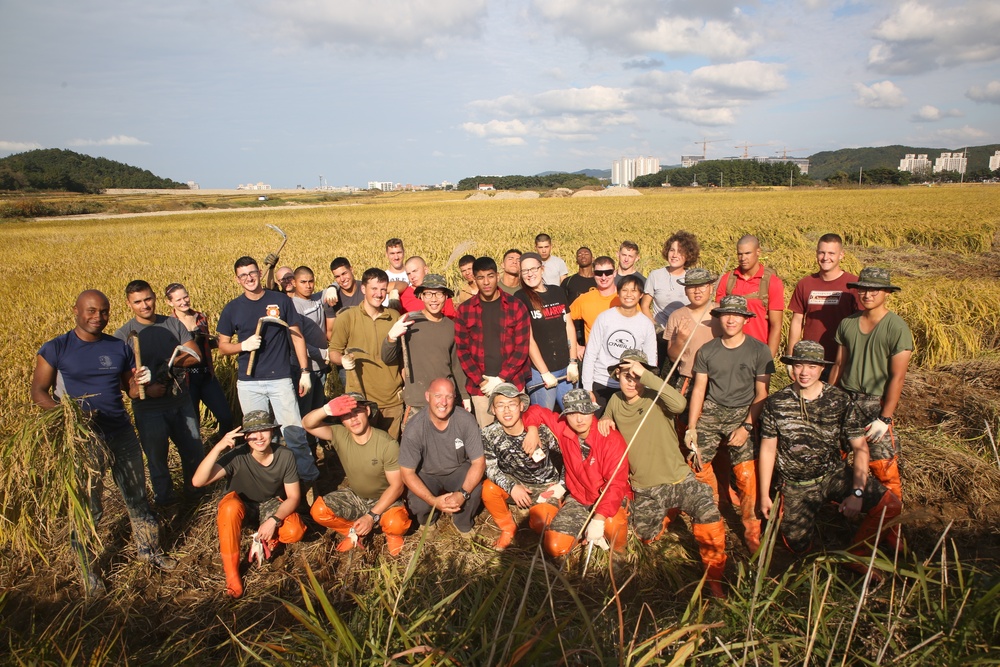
492	333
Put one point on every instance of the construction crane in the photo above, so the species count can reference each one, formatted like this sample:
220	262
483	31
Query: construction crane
704	145
784	151
746	148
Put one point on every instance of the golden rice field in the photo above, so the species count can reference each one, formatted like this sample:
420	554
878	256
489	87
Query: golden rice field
942	245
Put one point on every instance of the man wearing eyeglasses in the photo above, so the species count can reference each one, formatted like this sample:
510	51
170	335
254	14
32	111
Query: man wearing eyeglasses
271	381
588	306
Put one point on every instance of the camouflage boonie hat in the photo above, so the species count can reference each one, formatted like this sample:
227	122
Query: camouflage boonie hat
578	401
510	391
372	405
697	276
807	352
631	354
434	281
874	277
258	420
732	304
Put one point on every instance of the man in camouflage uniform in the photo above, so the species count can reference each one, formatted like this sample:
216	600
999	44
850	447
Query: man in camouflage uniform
531	481
801	427
661	481
731	378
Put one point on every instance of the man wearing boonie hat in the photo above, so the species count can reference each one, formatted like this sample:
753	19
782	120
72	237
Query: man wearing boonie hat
801	427
531	481
263	489
874	351
594	464
731	378
693	320
661	480
422	342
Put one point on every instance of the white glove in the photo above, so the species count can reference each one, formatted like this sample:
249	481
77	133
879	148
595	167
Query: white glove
394	295
143	375
305	382
250	344
573	373
399	328
556	491
595	533
490	385
550	380
467	404
691	438
324	353
347	361
876	430
788	369
331	296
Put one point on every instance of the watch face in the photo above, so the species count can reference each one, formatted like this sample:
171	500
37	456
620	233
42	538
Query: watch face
858	493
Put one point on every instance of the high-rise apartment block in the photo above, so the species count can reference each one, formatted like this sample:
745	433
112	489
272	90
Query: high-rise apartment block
915	164
995	161
626	170
951	162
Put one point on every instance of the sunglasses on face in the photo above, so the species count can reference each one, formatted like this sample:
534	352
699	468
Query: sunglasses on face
604	272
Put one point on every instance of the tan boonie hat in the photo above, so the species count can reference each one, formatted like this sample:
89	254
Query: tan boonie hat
510	391
874	277
807	352
631	354
433	281
258	420
578	401
697	276
732	305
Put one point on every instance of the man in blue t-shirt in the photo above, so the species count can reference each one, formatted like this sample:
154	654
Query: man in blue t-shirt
93	368
270	383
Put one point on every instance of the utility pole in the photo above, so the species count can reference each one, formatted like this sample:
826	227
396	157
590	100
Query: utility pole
860	169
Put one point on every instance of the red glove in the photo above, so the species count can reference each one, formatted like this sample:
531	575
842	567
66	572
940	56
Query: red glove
340	406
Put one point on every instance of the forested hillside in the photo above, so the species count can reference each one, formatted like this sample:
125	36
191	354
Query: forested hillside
56	169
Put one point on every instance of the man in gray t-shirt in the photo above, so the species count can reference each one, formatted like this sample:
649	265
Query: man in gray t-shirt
442	461
166	411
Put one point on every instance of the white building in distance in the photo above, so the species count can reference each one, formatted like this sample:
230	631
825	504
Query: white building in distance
384	186
951	162
995	161
626	170
915	164
260	185
691	160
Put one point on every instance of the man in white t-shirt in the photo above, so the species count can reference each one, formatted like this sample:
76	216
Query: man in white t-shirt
554	269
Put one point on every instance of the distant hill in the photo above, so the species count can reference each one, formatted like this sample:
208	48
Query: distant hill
592	173
56	169
548	180
826	163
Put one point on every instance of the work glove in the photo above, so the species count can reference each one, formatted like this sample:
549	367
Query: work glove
331	296
394	295
549	380
347	361
876	430
399	328
340	406
556	491
259	551
467	404
572	373
250	344
694	457
324	353
305	383
143	375
271	259
595	533
490	384
788	368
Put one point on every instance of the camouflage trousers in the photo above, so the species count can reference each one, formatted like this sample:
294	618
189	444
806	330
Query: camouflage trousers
803	500
650	505
715	425
869	407
348	505
572	516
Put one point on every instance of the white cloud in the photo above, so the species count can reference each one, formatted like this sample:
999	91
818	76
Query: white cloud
496	128
18	146
748	78
928	113
989	93
881	95
960	134
118	140
919	36
375	25
639	27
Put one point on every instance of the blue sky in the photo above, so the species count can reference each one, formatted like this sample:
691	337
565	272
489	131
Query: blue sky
422	91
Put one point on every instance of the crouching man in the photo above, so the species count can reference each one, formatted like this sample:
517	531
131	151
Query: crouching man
801	428
661	480
530	481
595	464
370	458
263	490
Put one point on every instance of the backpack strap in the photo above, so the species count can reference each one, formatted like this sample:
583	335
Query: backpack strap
765	283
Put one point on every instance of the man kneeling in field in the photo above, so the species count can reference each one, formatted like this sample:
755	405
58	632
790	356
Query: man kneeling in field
801	428
530	481
370	458
263	482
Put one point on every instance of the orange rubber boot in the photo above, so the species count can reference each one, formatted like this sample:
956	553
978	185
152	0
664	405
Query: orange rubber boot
745	479
230	523
495	500
395	522
540	515
324	516
557	544
707	475
292	529
711	539
887	472
616	530
869	525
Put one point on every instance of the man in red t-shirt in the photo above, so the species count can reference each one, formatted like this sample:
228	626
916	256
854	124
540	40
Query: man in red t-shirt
822	300
763	289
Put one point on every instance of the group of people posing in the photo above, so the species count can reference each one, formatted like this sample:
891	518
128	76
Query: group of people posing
451	398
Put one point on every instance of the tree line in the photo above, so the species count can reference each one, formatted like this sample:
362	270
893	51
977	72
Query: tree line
727	173
517	182
66	171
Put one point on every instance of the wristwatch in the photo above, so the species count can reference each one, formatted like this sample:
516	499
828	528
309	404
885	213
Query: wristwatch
885	420
465	494
748	426
375	517
858	493
277	521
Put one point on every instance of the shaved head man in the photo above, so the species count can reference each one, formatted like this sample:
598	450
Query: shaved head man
763	289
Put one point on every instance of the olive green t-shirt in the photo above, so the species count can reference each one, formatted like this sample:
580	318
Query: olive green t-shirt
366	465
655	456
867	367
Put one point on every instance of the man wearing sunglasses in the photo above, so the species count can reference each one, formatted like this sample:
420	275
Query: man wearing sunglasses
588	306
